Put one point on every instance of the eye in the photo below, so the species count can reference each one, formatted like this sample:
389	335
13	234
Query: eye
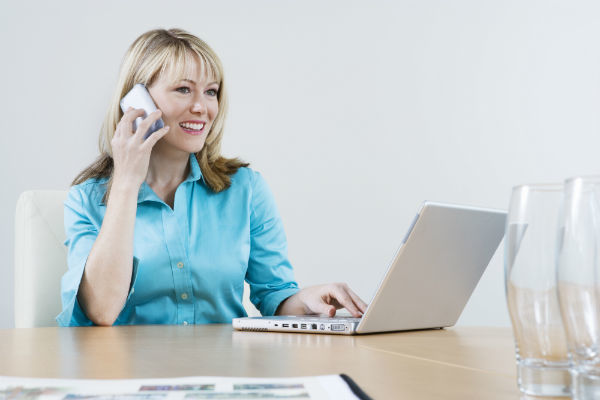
183	89
212	92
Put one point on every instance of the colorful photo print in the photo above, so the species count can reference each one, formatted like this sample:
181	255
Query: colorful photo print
124	396
247	395
166	388
21	393
267	386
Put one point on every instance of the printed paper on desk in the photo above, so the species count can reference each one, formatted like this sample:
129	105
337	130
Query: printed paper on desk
200	387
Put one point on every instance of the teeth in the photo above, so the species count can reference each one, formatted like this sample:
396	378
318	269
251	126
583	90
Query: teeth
195	127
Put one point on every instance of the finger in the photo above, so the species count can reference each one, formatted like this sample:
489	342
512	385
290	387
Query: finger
156	136
142	128
362	306
342	296
325	309
131	114
126	123
119	128
318	305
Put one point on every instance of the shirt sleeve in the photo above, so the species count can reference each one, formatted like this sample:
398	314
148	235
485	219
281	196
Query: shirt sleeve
81	233
270	274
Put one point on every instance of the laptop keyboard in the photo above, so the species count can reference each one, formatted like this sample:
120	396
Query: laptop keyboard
331	319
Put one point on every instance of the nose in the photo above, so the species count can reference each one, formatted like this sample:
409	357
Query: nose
198	107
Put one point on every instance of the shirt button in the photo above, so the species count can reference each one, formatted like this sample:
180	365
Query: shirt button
184	296
179	265
185	322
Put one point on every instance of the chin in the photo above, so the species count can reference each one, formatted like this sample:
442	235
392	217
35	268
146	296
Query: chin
197	147
192	146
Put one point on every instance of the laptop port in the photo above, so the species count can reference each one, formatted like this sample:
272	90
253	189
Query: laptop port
322	327
294	325
285	325
303	326
337	327
313	326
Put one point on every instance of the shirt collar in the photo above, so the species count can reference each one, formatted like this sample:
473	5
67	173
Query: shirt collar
195	172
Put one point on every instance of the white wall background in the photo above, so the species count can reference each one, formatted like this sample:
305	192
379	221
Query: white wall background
354	111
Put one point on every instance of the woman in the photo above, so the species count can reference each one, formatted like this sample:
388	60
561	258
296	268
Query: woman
165	230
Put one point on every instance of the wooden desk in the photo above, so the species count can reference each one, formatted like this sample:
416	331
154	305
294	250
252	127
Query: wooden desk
454	363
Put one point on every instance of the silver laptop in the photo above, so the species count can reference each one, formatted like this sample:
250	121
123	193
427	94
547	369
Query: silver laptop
428	282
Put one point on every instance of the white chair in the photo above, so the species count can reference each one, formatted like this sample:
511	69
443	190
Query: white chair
41	259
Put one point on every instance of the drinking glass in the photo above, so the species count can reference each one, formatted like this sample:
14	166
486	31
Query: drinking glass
530	279
578	266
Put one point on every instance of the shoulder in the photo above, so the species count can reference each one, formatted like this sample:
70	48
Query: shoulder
90	192
246	177
255	187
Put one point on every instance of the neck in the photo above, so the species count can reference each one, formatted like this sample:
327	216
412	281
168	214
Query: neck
167	168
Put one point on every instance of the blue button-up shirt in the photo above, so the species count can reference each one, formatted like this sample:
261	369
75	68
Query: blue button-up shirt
189	262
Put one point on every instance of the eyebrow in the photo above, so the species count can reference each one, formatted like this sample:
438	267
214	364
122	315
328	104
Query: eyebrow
193	82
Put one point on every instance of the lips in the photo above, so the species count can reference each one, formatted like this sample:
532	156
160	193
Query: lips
192	127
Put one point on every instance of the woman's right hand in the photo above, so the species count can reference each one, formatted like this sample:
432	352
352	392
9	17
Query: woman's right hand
130	151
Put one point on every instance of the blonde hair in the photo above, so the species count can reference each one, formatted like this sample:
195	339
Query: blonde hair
151	55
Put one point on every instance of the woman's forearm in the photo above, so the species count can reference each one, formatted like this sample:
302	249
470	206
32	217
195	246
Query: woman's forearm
107	275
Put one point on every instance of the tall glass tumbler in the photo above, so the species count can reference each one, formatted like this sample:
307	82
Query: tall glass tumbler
530	278
578	269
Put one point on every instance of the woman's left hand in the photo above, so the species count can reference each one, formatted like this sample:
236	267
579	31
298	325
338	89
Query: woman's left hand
323	299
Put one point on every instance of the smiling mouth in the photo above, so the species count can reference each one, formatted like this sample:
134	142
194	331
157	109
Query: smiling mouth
192	128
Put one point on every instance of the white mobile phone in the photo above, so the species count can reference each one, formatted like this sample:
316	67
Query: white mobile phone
138	97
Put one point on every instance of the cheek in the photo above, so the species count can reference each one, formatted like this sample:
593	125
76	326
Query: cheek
166	104
158	97
170	111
